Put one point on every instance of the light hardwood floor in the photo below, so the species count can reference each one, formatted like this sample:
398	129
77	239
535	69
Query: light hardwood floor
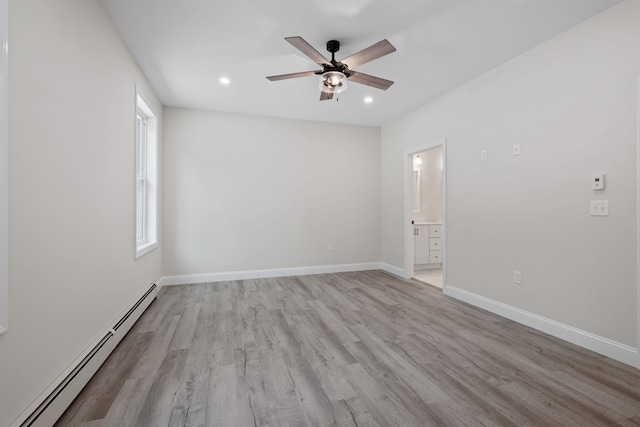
349	349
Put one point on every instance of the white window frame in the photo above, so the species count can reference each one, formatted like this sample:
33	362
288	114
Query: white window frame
146	178
4	138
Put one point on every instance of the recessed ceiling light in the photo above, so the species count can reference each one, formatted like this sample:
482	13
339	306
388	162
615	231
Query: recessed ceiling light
368	100
224	80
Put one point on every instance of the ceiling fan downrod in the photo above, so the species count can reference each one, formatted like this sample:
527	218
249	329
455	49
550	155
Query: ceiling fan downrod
333	46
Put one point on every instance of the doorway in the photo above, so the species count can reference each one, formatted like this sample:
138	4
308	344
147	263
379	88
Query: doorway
425	213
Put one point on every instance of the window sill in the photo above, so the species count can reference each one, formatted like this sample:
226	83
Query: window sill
145	249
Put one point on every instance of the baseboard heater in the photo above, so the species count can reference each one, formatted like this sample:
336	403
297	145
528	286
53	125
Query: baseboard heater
125	323
46	410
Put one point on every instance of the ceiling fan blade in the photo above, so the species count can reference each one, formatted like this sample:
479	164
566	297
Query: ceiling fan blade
291	75
324	96
375	51
368	80
304	47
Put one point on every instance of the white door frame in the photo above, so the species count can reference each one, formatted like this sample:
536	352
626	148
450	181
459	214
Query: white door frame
638	226
408	207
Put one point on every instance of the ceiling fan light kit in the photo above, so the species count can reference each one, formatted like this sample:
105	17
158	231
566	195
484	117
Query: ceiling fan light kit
333	82
334	74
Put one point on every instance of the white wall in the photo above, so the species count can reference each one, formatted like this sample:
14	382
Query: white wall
71	191
246	193
571	104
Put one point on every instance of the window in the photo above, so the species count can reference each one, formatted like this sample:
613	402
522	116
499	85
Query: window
146	178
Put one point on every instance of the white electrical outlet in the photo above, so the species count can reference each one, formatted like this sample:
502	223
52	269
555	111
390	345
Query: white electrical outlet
517	277
516	149
484	156
330	248
599	208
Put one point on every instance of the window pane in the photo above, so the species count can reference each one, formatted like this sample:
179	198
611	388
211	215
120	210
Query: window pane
146	176
139	144
140	202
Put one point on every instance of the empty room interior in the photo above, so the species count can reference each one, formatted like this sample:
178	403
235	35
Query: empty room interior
349	213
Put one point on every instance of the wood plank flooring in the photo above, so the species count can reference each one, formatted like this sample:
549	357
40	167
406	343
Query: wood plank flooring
349	349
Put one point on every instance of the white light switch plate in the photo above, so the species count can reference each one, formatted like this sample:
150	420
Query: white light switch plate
516	149
599	208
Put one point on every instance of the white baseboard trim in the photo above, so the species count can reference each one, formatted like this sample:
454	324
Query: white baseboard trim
396	271
617	351
185	279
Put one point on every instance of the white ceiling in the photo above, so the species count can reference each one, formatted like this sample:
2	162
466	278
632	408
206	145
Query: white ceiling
185	46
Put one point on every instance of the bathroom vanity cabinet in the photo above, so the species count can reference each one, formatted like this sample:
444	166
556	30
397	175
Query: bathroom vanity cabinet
428	243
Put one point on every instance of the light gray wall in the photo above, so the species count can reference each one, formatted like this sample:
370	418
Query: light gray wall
572	105
246	193
71	191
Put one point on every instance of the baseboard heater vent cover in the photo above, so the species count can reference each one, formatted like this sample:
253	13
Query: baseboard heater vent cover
138	303
46	410
72	384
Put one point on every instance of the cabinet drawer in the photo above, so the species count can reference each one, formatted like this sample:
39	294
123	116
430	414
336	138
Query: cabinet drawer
435	230
435	257
435	243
